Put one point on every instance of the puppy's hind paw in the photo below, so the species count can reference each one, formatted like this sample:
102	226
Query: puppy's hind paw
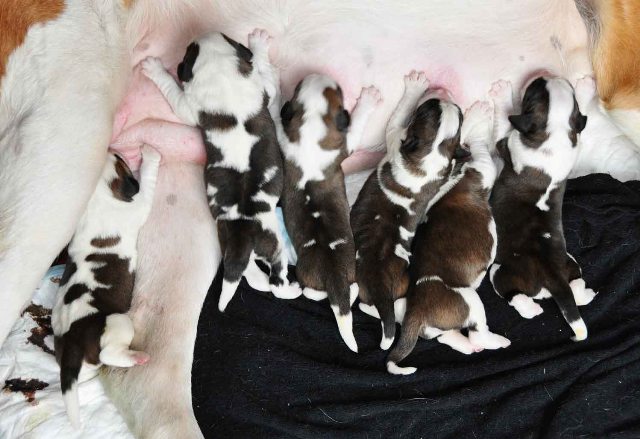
501	92
286	291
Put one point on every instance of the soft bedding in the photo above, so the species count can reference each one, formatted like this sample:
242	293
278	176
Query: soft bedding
277	369
269	368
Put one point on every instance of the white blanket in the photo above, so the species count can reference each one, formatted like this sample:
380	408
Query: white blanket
28	355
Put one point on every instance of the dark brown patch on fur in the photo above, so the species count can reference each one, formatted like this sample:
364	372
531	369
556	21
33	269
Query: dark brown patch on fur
245	67
220	122
124	186
27	387
110	241
112	270
336	119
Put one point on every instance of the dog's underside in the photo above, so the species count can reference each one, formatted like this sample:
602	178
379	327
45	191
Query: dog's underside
55	57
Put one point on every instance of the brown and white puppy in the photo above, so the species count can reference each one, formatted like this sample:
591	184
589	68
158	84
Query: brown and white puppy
452	251
421	143
315	142
90	321
226	96
532	260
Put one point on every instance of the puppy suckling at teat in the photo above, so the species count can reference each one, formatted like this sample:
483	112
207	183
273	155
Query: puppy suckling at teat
318	134
89	320
451	253
532	260
230	94
421	142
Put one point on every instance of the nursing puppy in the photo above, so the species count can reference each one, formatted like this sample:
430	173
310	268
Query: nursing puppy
452	251
89	320
532	260
315	142
225	96
421	143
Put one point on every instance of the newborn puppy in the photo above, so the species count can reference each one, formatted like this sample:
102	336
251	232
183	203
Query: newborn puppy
89	319
226	95
452	251
532	260
420	146
316	212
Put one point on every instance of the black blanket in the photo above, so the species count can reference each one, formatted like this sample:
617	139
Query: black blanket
271	368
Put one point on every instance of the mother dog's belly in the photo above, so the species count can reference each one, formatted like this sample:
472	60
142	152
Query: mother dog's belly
463	46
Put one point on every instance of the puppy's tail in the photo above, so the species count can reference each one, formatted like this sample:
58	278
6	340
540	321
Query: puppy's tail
563	296
411	327
384	304
339	294
70	364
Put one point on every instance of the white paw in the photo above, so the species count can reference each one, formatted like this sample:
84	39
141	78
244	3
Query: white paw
477	123
416	82
354	290
259	39
526	306
370	310
394	369
150	154
586	297
370	98
152	67
488	340
580	330
501	92
286	291
312	294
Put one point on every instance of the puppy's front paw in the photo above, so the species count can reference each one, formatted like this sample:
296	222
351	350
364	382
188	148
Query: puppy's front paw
416	82
150	155
501	93
152	67
259	39
477	123
370	98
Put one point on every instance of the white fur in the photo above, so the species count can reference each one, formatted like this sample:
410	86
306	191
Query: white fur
525	306
405	235
312	294
394	369
402	253
57	99
334	244
345	326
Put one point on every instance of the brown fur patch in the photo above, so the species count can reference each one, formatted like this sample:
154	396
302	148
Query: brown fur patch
440	307
616	53
17	16
335	138
124	186
110	241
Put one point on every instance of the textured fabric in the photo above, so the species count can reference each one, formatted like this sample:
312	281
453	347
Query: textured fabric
271	368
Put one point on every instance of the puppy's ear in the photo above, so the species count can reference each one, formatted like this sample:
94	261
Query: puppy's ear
343	120
461	153
522	122
286	113
579	122
185	68
410	144
124	186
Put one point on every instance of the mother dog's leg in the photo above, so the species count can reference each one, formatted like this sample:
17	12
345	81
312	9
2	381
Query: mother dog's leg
59	85
179	254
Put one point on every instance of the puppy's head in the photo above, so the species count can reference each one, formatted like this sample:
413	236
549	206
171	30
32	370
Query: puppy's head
549	108
119	179
316	111
433	138
215	49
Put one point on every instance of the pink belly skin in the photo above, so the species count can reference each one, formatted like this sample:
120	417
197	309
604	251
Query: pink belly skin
462	47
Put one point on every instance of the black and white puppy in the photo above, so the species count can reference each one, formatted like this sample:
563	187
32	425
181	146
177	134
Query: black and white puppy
421	143
228	93
532	260
317	138
452	251
90	321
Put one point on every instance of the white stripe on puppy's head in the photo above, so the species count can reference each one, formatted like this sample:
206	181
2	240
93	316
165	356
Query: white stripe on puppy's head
546	132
